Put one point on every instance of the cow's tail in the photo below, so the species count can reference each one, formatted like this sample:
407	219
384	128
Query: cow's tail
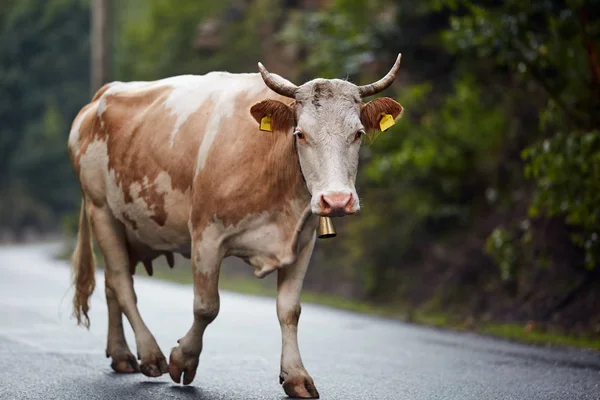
84	267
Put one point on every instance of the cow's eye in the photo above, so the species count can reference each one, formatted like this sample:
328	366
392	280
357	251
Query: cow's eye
299	135
359	134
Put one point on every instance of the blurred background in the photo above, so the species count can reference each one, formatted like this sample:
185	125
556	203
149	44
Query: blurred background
481	206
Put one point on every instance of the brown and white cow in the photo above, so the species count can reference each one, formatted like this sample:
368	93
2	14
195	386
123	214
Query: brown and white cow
181	165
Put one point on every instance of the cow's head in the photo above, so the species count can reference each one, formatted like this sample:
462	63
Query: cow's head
329	120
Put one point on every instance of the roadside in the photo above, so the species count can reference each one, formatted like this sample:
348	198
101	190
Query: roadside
237	277
529	333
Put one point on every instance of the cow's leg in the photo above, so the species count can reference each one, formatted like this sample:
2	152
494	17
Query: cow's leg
110	236
296	381
206	260
123	361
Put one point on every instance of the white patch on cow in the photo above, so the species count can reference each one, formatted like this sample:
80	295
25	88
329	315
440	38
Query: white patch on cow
100	184
222	90
75	131
174	234
120	87
183	102
177	205
190	92
330	121
93	165
102	106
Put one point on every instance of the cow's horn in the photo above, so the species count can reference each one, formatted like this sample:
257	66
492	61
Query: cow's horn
277	83
383	83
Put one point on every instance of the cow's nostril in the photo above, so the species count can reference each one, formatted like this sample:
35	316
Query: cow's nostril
337	202
350	203
323	203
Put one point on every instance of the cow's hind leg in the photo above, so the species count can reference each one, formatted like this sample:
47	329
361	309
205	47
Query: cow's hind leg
123	361
110	235
206	260
294	377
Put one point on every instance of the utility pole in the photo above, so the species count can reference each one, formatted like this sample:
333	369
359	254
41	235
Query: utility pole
100	13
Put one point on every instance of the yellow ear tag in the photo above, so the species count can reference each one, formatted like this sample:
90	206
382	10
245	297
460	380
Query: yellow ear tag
386	122
265	124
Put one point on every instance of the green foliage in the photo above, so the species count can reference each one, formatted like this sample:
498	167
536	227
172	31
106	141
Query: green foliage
553	45
425	175
538	40
44	78
500	246
156	39
566	169
337	42
436	156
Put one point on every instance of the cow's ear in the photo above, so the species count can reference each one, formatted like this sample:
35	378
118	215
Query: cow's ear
273	115
372	113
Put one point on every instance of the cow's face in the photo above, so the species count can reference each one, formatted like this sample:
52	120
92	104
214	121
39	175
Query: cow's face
329	121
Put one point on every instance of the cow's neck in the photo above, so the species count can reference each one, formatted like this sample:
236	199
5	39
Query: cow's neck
284	165
286	160
277	218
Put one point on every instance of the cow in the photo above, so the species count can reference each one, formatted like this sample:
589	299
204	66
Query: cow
208	167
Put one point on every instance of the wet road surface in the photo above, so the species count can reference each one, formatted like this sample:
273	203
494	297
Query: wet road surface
43	355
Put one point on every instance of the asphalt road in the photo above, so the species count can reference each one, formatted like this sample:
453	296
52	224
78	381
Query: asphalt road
43	355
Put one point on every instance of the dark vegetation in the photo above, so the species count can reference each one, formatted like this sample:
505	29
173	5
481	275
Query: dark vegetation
483	202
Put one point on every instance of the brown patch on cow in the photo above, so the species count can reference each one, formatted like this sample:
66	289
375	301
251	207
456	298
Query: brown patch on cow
282	115
156	203
137	154
292	317
255	172
135	149
321	90
206	287
370	113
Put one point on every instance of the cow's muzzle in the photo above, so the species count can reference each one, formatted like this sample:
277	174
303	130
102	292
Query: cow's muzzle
337	204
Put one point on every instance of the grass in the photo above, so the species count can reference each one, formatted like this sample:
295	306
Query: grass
428	316
520	333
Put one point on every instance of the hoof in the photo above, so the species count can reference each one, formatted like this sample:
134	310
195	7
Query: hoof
180	365
301	387
155	366
125	363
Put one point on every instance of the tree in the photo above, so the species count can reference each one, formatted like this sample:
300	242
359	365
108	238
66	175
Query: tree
44	77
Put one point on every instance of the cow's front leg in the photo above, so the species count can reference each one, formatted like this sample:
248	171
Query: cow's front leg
296	381
184	358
